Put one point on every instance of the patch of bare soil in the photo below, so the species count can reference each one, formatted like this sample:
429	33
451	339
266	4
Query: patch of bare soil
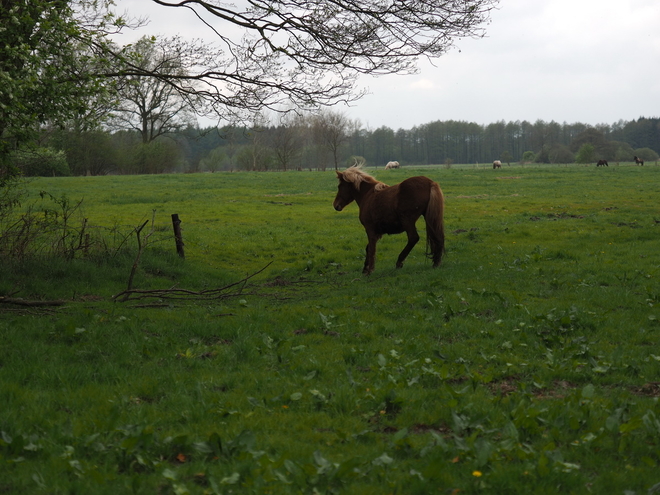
651	389
558	390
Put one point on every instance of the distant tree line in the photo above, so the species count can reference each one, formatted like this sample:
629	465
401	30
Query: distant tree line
331	140
541	142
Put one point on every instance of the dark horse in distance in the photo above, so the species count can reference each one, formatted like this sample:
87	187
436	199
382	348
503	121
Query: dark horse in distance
394	209
602	163
638	161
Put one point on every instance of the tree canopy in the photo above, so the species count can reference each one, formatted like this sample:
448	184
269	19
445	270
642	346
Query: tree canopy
50	64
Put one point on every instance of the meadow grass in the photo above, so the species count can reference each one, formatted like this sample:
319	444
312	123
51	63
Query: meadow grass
527	362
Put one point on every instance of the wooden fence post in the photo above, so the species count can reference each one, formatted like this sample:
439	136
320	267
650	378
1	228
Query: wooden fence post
176	223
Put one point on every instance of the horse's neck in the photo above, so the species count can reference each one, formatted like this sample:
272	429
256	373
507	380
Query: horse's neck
366	190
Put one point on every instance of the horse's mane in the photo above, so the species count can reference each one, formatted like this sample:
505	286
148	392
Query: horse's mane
356	175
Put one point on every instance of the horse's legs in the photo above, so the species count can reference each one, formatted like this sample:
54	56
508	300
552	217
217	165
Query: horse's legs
370	259
413	238
367	269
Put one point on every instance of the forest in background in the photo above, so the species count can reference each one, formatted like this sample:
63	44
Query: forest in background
331	140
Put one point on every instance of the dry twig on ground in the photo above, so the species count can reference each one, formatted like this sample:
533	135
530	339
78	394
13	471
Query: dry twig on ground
232	290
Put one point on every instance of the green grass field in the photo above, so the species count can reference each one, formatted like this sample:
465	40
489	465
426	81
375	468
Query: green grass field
529	362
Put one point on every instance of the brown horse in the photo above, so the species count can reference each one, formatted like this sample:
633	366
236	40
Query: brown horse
394	209
602	163
638	161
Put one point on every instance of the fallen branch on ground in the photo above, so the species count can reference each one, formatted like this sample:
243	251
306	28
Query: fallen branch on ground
31	304
232	290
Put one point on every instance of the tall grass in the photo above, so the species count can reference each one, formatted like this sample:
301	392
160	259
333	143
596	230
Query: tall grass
526	363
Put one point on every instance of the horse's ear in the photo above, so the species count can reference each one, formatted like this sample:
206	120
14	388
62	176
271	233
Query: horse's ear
340	175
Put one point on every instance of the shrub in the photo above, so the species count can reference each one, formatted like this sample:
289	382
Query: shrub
624	152
646	154
561	154
40	162
216	160
528	156
87	152
586	154
543	156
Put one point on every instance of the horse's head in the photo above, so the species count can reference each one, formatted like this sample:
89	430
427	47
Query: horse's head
345	193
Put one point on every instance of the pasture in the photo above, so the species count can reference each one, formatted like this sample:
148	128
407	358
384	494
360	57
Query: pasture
527	362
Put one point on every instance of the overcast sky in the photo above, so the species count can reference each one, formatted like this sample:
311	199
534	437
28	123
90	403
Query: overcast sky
589	61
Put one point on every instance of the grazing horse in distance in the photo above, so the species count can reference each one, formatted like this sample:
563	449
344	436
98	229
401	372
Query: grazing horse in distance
638	161
602	163
394	209
497	164
392	165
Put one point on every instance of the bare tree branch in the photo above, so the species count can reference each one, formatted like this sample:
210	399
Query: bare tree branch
231	290
301	54
30	303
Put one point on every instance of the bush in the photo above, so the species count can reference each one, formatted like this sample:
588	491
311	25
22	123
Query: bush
624	152
586	154
156	157
215	160
528	156
87	152
561	154
646	154
40	162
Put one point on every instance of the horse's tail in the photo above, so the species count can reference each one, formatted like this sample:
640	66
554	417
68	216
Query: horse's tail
435	226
